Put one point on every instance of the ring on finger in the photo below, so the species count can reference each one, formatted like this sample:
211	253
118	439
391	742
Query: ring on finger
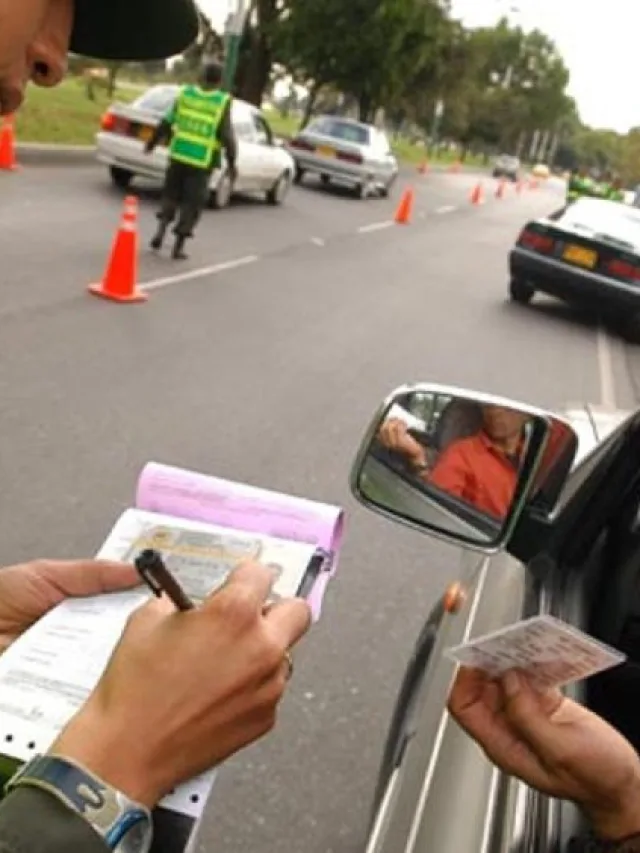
288	659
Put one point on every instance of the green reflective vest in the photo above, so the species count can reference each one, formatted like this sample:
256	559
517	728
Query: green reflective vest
195	118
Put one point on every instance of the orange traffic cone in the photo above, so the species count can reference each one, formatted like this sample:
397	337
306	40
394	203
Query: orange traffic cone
455	167
423	168
405	208
120	278
7	146
500	189
477	194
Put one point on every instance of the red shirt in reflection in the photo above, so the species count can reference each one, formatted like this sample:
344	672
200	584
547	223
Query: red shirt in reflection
478	472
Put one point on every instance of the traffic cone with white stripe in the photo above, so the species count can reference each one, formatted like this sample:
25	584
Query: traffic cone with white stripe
120	279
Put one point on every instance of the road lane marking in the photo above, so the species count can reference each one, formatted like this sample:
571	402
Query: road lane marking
375	226
201	272
447	208
317	241
605	370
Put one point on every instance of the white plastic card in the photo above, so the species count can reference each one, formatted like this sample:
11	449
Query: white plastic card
551	652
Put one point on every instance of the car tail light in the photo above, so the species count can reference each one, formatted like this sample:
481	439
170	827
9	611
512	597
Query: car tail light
108	121
535	240
350	158
302	144
623	269
115	124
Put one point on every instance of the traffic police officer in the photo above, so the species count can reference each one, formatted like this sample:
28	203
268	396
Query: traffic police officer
580	184
199	124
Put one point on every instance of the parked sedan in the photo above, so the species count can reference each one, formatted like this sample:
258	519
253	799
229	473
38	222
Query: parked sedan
506	166
586	253
263	165
345	152
569	547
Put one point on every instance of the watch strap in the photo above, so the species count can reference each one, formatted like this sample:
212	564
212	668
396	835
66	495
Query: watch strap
111	814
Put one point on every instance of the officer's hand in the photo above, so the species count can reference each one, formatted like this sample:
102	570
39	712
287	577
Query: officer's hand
184	691
29	590
554	745
148	148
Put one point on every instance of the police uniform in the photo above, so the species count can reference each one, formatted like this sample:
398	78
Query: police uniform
200	126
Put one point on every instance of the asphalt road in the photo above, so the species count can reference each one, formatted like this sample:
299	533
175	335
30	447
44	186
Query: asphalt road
266	367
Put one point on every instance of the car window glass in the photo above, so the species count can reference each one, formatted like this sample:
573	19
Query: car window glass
604	218
343	130
244	129
262	131
157	100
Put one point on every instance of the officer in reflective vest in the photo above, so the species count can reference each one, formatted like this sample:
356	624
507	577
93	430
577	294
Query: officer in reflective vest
199	124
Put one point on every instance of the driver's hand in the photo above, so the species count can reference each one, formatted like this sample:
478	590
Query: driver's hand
552	744
394	434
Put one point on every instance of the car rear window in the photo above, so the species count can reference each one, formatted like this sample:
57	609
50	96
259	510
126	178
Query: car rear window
344	130
158	100
606	218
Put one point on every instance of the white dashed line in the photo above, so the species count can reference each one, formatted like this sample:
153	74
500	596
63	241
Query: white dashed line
317	241
605	370
201	272
375	226
448	208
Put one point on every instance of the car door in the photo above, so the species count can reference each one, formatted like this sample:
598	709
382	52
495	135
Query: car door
440	792
264	139
248	162
387	165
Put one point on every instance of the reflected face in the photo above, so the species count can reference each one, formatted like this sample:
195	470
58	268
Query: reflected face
502	424
34	40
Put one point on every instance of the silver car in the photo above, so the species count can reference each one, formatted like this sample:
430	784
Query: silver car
562	540
345	152
263	165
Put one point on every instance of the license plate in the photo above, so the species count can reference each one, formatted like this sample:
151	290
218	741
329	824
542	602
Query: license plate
581	256
325	151
145	133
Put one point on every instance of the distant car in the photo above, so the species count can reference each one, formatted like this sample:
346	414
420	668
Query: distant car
508	167
345	152
263	165
587	253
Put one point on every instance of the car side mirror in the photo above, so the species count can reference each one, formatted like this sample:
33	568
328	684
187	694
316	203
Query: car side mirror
461	465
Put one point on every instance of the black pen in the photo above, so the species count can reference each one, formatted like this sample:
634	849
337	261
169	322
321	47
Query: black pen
158	578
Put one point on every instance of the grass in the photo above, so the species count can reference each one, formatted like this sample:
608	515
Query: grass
65	115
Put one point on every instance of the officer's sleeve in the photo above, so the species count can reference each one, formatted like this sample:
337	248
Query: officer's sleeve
32	821
227	136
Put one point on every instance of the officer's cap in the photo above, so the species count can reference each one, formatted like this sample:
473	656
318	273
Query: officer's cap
133	30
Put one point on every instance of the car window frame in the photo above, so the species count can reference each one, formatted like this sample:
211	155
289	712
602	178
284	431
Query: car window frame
258	121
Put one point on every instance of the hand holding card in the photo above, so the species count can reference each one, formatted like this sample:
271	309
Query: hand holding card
552	653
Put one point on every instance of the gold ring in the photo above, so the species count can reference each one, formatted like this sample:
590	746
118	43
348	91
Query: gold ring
289	662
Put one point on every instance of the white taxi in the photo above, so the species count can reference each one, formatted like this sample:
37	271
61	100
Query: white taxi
263	166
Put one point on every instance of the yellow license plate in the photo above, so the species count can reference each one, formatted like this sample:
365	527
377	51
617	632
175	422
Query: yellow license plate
581	256
145	133
325	151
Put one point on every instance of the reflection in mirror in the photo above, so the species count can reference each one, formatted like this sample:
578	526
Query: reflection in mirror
448	463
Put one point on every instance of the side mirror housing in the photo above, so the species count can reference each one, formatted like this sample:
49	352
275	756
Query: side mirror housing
461	465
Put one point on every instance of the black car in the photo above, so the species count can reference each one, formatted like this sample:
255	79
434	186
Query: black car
587	253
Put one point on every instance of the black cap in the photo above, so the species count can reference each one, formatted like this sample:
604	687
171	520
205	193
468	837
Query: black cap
133	30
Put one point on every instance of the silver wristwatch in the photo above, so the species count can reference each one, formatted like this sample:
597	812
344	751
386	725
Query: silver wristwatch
125	826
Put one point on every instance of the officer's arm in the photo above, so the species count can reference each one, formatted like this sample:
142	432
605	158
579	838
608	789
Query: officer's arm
162	133
227	137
